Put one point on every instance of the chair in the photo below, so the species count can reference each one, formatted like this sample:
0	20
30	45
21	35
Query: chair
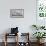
7	35
14	32
26	41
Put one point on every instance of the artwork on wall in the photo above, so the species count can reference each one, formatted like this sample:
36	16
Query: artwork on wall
41	12
41	8
17	13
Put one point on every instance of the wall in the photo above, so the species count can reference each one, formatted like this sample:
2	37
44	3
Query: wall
24	24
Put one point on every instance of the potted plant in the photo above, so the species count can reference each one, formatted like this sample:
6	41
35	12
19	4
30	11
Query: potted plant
38	27
42	27
35	26
39	35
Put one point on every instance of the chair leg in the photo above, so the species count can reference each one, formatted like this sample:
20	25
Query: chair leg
5	40
5	43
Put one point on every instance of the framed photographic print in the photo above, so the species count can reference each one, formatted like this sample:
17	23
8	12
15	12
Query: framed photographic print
41	12
17	13
41	8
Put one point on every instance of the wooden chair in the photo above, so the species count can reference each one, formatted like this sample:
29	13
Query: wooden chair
25	36
8	34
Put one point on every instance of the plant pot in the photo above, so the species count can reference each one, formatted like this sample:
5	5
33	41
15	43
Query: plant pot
40	41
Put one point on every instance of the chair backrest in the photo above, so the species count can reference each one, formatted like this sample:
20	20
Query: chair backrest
24	37
14	30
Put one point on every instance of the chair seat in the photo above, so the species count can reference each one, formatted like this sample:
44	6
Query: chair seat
9	34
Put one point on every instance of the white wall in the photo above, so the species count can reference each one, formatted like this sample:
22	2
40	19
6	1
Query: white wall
24	24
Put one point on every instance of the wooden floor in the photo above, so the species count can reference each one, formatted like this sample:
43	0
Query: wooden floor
13	44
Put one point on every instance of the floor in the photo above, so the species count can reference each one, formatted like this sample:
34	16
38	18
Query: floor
13	44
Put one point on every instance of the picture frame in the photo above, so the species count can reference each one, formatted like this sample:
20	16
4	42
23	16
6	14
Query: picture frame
41	12
41	8
17	13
